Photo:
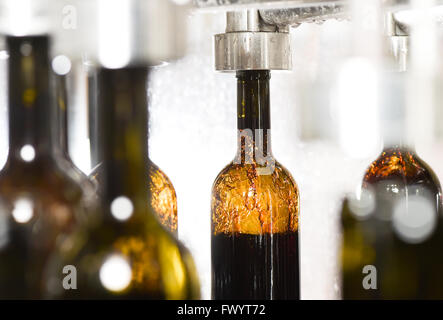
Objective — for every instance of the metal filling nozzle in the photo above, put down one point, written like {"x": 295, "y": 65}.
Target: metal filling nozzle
{"x": 251, "y": 44}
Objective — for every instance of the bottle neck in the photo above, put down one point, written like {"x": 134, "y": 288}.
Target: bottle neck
{"x": 30, "y": 110}
{"x": 92, "y": 116}
{"x": 393, "y": 112}
{"x": 253, "y": 115}
{"x": 61, "y": 97}
{"x": 395, "y": 136}
{"x": 123, "y": 132}
{"x": 399, "y": 145}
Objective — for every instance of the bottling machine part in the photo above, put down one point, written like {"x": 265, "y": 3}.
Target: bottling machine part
{"x": 399, "y": 49}
{"x": 296, "y": 16}
{"x": 258, "y": 38}
{"x": 251, "y": 44}
{"x": 294, "y": 12}
{"x": 266, "y": 4}
{"x": 252, "y": 51}
{"x": 282, "y": 13}
{"x": 242, "y": 4}
{"x": 398, "y": 37}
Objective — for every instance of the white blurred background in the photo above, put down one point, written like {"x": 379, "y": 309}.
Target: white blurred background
{"x": 325, "y": 132}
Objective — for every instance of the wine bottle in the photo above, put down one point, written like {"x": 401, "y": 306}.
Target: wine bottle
{"x": 255, "y": 208}
{"x": 392, "y": 229}
{"x": 125, "y": 252}
{"x": 39, "y": 203}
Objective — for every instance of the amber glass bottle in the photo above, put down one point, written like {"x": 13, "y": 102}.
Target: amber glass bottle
{"x": 394, "y": 224}
{"x": 124, "y": 253}
{"x": 39, "y": 202}
{"x": 255, "y": 207}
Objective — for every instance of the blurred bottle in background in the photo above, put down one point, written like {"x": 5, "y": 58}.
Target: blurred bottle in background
{"x": 124, "y": 252}
{"x": 394, "y": 221}
{"x": 160, "y": 31}
{"x": 392, "y": 228}
{"x": 41, "y": 202}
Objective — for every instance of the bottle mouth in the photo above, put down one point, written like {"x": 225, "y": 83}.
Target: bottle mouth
{"x": 254, "y": 74}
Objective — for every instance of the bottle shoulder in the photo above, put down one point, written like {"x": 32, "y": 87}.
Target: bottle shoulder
{"x": 276, "y": 175}
{"x": 163, "y": 196}
{"x": 38, "y": 200}
{"x": 68, "y": 166}
{"x": 245, "y": 201}
{"x": 41, "y": 178}
{"x": 159, "y": 179}
{"x": 400, "y": 164}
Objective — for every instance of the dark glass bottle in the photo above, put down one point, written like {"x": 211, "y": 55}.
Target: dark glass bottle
{"x": 393, "y": 228}
{"x": 39, "y": 203}
{"x": 125, "y": 252}
{"x": 255, "y": 208}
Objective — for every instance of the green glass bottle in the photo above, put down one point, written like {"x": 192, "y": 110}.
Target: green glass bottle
{"x": 124, "y": 253}
{"x": 40, "y": 203}
{"x": 255, "y": 208}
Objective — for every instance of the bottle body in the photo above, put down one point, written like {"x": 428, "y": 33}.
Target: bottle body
{"x": 396, "y": 228}
{"x": 255, "y": 206}
{"x": 254, "y": 235}
{"x": 136, "y": 260}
